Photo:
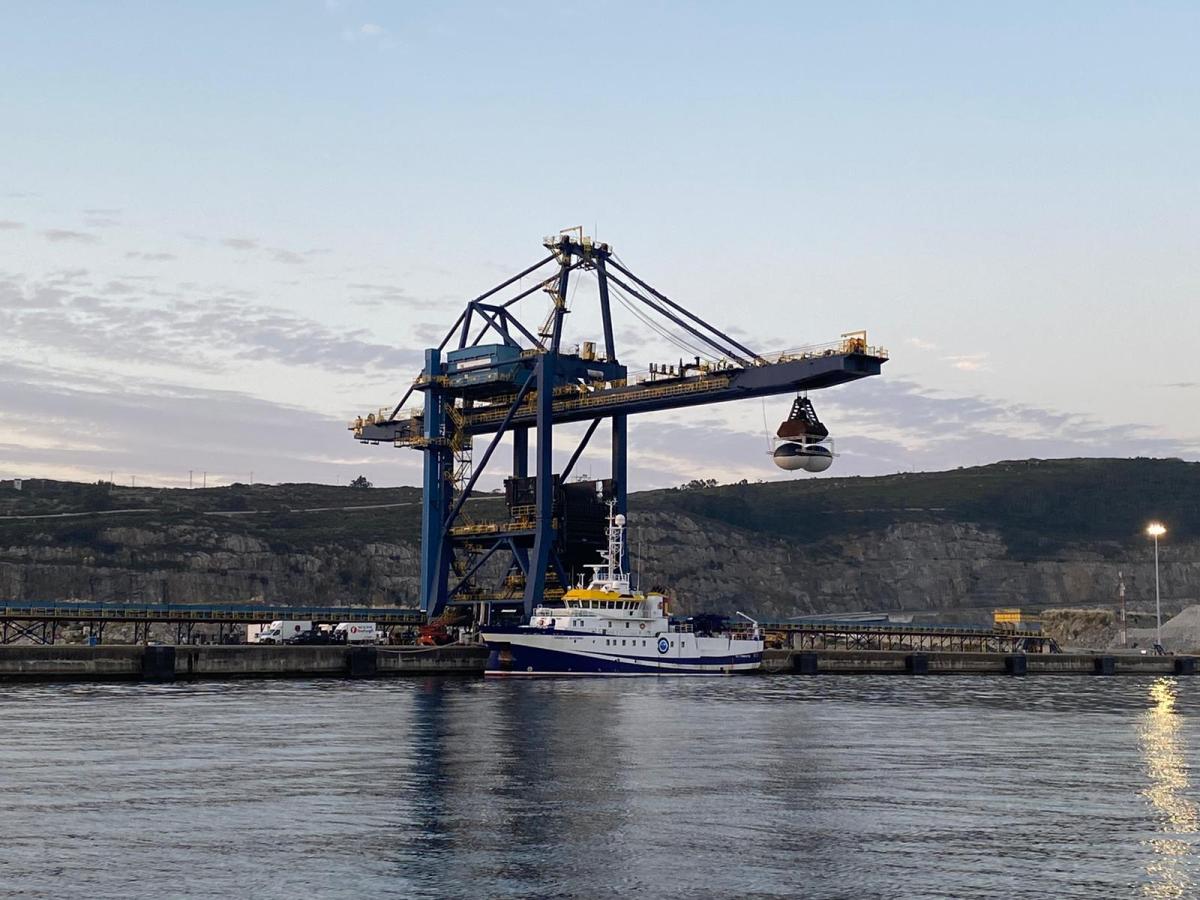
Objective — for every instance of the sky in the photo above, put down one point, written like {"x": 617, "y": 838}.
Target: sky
{"x": 227, "y": 228}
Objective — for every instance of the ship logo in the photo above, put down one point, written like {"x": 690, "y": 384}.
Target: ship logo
{"x": 663, "y": 645}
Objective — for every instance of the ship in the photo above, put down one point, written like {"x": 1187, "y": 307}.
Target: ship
{"x": 605, "y": 627}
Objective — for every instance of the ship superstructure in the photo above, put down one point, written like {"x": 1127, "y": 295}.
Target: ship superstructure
{"x": 605, "y": 627}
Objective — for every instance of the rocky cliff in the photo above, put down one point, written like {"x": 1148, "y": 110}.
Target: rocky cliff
{"x": 1020, "y": 534}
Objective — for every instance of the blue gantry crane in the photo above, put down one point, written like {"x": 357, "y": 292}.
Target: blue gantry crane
{"x": 507, "y": 376}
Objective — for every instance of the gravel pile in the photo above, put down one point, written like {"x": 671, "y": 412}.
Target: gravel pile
{"x": 1181, "y": 634}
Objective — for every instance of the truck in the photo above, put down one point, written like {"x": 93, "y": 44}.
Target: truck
{"x": 357, "y": 633}
{"x": 282, "y": 629}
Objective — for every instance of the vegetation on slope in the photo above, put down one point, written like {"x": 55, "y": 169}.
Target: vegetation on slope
{"x": 1038, "y": 506}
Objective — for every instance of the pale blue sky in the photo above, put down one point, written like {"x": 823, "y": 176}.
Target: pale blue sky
{"x": 258, "y": 210}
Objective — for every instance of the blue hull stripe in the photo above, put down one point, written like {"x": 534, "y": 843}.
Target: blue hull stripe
{"x": 518, "y": 659}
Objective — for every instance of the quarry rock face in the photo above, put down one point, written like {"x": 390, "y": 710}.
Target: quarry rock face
{"x": 184, "y": 564}
{"x": 705, "y": 566}
{"x": 909, "y": 566}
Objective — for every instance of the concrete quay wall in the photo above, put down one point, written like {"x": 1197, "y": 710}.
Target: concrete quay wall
{"x": 866, "y": 662}
{"x": 168, "y": 663}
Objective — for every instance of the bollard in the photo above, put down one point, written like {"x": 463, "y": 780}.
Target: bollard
{"x": 1105, "y": 665}
{"x": 1016, "y": 664}
{"x": 805, "y": 663}
{"x": 158, "y": 663}
{"x": 1185, "y": 665}
{"x": 361, "y": 662}
{"x": 916, "y": 664}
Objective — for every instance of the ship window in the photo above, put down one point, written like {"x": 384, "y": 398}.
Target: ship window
{"x": 622, "y": 642}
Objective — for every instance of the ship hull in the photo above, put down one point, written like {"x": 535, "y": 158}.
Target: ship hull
{"x": 540, "y": 654}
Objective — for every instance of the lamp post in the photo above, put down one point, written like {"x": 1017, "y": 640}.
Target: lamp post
{"x": 1156, "y": 530}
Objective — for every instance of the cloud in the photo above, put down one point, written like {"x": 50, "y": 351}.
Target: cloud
{"x": 921, "y": 344}
{"x": 286, "y": 256}
{"x": 9, "y": 225}
{"x": 195, "y": 328}
{"x": 972, "y": 362}
{"x": 369, "y": 31}
{"x": 150, "y": 257}
{"x": 62, "y": 235}
{"x": 880, "y": 426}
{"x": 292, "y": 257}
{"x": 276, "y": 254}
{"x": 227, "y": 433}
{"x": 374, "y": 296}
{"x": 1183, "y": 384}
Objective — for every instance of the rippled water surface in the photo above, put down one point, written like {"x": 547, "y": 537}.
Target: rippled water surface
{"x": 740, "y": 787}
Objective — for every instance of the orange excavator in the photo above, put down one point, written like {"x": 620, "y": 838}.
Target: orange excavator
{"x": 437, "y": 633}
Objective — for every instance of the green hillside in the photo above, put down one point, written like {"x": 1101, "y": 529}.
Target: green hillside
{"x": 1037, "y": 505}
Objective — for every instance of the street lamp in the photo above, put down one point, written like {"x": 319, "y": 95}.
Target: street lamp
{"x": 1156, "y": 530}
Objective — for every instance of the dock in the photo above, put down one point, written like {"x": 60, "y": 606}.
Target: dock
{"x": 135, "y": 662}
{"x": 892, "y": 662}
{"x": 156, "y": 662}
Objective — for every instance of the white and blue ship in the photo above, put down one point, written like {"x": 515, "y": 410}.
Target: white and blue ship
{"x": 607, "y": 628}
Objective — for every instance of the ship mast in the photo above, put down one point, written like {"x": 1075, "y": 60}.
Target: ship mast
{"x": 616, "y": 544}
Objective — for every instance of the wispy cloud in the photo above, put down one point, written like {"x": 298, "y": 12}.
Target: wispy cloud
{"x": 192, "y": 328}
{"x": 921, "y": 344}
{"x": 972, "y": 362}
{"x": 373, "y": 296}
{"x": 9, "y": 225}
{"x": 886, "y": 425}
{"x": 150, "y": 257}
{"x": 224, "y": 432}
{"x": 63, "y": 235}
{"x": 370, "y": 32}
{"x": 275, "y": 254}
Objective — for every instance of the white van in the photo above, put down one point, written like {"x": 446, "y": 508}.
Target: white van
{"x": 357, "y": 633}
{"x": 280, "y": 630}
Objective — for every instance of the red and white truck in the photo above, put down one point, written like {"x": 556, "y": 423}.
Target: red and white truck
{"x": 357, "y": 633}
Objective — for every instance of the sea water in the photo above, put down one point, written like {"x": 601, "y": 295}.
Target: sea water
{"x": 873, "y": 786}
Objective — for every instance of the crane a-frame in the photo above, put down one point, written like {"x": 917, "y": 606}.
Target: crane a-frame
{"x": 507, "y": 376}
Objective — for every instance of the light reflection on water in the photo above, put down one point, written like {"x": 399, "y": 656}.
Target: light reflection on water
{"x": 1171, "y": 871}
{"x": 742, "y": 787}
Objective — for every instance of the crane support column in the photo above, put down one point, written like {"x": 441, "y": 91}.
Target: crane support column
{"x": 435, "y": 500}
{"x": 520, "y": 467}
{"x": 620, "y": 474}
{"x": 535, "y": 581}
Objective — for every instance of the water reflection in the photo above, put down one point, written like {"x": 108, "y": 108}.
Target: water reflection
{"x": 1163, "y": 752}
